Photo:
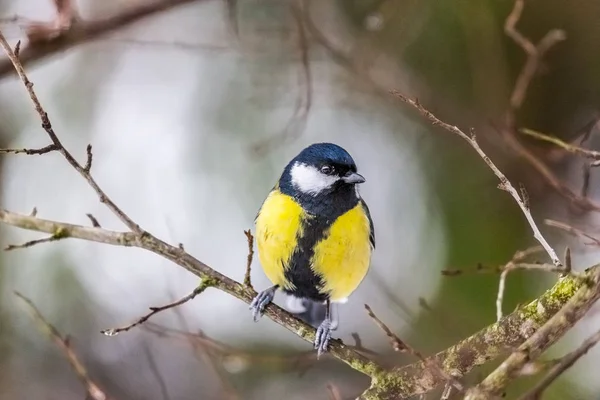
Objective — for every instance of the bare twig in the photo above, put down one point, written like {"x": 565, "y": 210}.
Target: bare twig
{"x": 43, "y": 150}
{"x": 68, "y": 230}
{"x": 504, "y": 182}
{"x": 87, "y": 31}
{"x": 560, "y": 367}
{"x": 512, "y": 265}
{"x": 334, "y": 392}
{"x": 568, "y": 265}
{"x": 204, "y": 284}
{"x": 400, "y": 346}
{"x": 88, "y": 162}
{"x": 93, "y": 390}
{"x": 247, "y": 276}
{"x": 586, "y": 170}
{"x": 571, "y": 148}
{"x": 534, "y": 56}
{"x": 224, "y": 351}
{"x": 534, "y": 53}
{"x": 297, "y": 122}
{"x": 156, "y": 372}
{"x": 549, "y": 177}
{"x": 94, "y": 221}
{"x": 206, "y": 354}
{"x": 58, "y": 235}
{"x": 572, "y": 230}
{"x": 47, "y": 126}
{"x": 519, "y": 256}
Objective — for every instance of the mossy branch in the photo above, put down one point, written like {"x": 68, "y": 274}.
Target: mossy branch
{"x": 510, "y": 332}
{"x": 489, "y": 343}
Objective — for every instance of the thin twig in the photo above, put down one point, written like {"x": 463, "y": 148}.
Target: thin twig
{"x": 47, "y": 126}
{"x": 334, "y": 392}
{"x": 571, "y": 148}
{"x": 30, "y": 243}
{"x": 549, "y": 177}
{"x": 297, "y": 123}
{"x": 93, "y": 390}
{"x": 572, "y": 230}
{"x": 534, "y": 56}
{"x": 519, "y": 256}
{"x": 43, "y": 150}
{"x": 504, "y": 182}
{"x": 534, "y": 53}
{"x": 247, "y": 276}
{"x": 223, "y": 350}
{"x": 516, "y": 263}
{"x": 94, "y": 221}
{"x": 560, "y": 367}
{"x": 87, "y": 31}
{"x": 401, "y": 346}
{"x": 88, "y": 162}
{"x": 206, "y": 354}
{"x": 511, "y": 266}
{"x": 156, "y": 372}
{"x": 155, "y": 310}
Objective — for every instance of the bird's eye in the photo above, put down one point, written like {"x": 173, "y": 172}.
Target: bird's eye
{"x": 327, "y": 169}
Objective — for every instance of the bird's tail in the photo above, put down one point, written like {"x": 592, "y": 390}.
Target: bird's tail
{"x": 309, "y": 311}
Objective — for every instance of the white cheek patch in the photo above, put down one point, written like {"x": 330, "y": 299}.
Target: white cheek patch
{"x": 310, "y": 180}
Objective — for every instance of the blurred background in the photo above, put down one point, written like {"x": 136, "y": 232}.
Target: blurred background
{"x": 192, "y": 115}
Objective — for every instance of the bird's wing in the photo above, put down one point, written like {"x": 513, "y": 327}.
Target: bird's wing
{"x": 372, "y": 234}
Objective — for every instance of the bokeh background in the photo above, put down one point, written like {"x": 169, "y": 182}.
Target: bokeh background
{"x": 193, "y": 113}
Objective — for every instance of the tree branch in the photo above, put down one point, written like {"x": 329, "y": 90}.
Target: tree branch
{"x": 504, "y": 182}
{"x": 561, "y": 366}
{"x": 209, "y": 276}
{"x": 542, "y": 339}
{"x": 155, "y": 310}
{"x": 93, "y": 390}
{"x": 418, "y": 378}
{"x": 84, "y": 171}
{"x": 86, "y": 31}
{"x": 487, "y": 344}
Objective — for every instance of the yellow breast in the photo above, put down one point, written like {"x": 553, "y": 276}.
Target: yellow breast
{"x": 278, "y": 225}
{"x": 340, "y": 257}
{"x": 343, "y": 256}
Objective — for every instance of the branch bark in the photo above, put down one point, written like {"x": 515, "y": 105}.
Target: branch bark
{"x": 87, "y": 31}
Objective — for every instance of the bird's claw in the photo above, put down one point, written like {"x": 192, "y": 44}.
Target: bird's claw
{"x": 323, "y": 336}
{"x": 262, "y": 300}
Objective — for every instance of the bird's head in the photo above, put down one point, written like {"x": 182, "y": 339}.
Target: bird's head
{"x": 321, "y": 168}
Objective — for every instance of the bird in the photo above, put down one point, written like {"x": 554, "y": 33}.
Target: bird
{"x": 314, "y": 233}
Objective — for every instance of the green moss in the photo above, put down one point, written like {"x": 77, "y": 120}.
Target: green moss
{"x": 554, "y": 299}
{"x": 61, "y": 233}
{"x": 208, "y": 281}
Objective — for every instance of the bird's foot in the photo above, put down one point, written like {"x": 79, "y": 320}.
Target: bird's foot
{"x": 262, "y": 300}
{"x": 323, "y": 336}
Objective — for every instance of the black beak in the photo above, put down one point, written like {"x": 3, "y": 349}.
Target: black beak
{"x": 353, "y": 178}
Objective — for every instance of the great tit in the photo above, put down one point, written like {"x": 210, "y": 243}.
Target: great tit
{"x": 314, "y": 233}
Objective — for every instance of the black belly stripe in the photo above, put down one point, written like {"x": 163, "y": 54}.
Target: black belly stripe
{"x": 323, "y": 209}
{"x": 300, "y": 274}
